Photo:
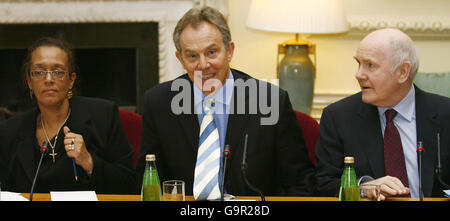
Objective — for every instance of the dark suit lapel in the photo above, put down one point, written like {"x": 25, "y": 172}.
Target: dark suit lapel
{"x": 236, "y": 130}
{"x": 371, "y": 139}
{"x": 82, "y": 122}
{"x": 27, "y": 144}
{"x": 426, "y": 124}
{"x": 80, "y": 119}
{"x": 189, "y": 122}
{"x": 236, "y": 122}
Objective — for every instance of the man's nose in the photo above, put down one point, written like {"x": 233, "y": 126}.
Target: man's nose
{"x": 360, "y": 74}
{"x": 203, "y": 63}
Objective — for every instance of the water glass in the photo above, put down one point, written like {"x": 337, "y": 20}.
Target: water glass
{"x": 370, "y": 192}
{"x": 173, "y": 190}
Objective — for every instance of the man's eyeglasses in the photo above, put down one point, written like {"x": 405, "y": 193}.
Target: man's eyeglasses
{"x": 56, "y": 74}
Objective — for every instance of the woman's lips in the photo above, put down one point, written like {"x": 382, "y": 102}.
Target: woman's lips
{"x": 50, "y": 91}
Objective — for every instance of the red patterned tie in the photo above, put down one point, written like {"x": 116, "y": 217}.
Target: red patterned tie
{"x": 394, "y": 159}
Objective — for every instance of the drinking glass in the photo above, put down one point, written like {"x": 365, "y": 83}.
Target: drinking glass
{"x": 173, "y": 190}
{"x": 370, "y": 192}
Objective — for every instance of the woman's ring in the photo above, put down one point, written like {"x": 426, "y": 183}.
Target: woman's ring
{"x": 71, "y": 146}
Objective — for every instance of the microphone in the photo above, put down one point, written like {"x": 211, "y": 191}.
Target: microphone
{"x": 439, "y": 166}
{"x": 43, "y": 151}
{"x": 420, "y": 150}
{"x": 226, "y": 153}
{"x": 244, "y": 171}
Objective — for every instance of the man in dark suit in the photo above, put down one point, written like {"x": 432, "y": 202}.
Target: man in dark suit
{"x": 173, "y": 119}
{"x": 360, "y": 125}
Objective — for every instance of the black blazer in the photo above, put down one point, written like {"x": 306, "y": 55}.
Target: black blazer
{"x": 350, "y": 127}
{"x": 277, "y": 157}
{"x": 98, "y": 121}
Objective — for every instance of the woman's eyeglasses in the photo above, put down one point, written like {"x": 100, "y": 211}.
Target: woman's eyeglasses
{"x": 56, "y": 74}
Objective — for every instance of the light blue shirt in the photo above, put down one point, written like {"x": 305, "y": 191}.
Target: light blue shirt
{"x": 405, "y": 121}
{"x": 220, "y": 110}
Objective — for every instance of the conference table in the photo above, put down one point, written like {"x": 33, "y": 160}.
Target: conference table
{"x": 118, "y": 197}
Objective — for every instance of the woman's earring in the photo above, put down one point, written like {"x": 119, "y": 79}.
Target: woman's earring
{"x": 69, "y": 94}
{"x": 31, "y": 94}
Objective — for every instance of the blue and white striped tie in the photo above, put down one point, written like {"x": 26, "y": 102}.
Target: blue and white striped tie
{"x": 206, "y": 180}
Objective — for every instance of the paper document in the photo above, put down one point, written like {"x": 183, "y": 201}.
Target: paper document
{"x": 10, "y": 196}
{"x": 74, "y": 196}
{"x": 447, "y": 193}
{"x": 229, "y": 197}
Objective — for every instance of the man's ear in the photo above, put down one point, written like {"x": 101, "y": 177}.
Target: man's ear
{"x": 404, "y": 71}
{"x": 230, "y": 51}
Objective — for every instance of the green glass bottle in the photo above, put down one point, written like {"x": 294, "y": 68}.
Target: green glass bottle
{"x": 349, "y": 190}
{"x": 151, "y": 187}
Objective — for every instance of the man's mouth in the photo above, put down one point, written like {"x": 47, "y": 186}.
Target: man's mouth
{"x": 208, "y": 76}
{"x": 365, "y": 87}
{"x": 204, "y": 76}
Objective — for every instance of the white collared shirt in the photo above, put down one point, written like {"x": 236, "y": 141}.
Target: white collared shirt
{"x": 405, "y": 121}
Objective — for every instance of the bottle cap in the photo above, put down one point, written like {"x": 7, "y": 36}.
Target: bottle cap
{"x": 349, "y": 160}
{"x": 150, "y": 157}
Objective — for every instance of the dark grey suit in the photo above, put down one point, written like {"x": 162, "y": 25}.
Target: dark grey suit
{"x": 351, "y": 127}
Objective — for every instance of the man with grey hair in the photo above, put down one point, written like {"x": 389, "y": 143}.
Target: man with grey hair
{"x": 187, "y": 122}
{"x": 382, "y": 125}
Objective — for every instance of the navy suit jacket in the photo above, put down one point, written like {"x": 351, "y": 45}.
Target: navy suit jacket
{"x": 277, "y": 157}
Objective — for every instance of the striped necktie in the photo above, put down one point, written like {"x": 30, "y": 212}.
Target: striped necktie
{"x": 206, "y": 180}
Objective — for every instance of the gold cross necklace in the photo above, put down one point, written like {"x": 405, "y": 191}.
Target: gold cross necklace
{"x": 53, "y": 154}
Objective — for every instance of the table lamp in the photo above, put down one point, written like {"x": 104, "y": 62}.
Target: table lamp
{"x": 296, "y": 71}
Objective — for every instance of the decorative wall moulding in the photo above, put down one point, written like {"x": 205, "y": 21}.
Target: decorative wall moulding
{"x": 165, "y": 12}
{"x": 415, "y": 26}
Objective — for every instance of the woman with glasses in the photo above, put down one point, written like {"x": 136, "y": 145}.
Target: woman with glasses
{"x": 88, "y": 149}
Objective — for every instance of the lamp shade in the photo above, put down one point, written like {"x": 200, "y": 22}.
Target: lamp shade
{"x": 298, "y": 16}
